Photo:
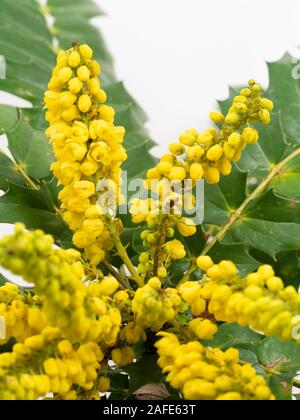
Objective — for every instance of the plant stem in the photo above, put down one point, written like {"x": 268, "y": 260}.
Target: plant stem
{"x": 112, "y": 225}
{"x": 28, "y": 180}
{"x": 239, "y": 212}
{"x": 117, "y": 275}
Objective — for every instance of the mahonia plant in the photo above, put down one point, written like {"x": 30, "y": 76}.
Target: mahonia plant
{"x": 88, "y": 317}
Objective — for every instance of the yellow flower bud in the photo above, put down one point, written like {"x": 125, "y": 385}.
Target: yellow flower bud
{"x": 265, "y": 116}
{"x": 196, "y": 171}
{"x": 250, "y": 135}
{"x": 232, "y": 118}
{"x": 84, "y": 103}
{"x": 212, "y": 175}
{"x": 83, "y": 73}
{"x": 177, "y": 148}
{"x": 267, "y": 104}
{"x": 74, "y": 59}
{"x": 86, "y": 51}
{"x": 186, "y": 227}
{"x": 204, "y": 263}
{"x": 195, "y": 152}
{"x": 216, "y": 117}
{"x": 65, "y": 74}
{"x": 215, "y": 153}
{"x": 275, "y": 284}
{"x": 177, "y": 174}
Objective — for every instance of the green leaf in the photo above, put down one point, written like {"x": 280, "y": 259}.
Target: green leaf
{"x": 9, "y": 173}
{"x": 222, "y": 199}
{"x": 232, "y": 335}
{"x": 283, "y": 357}
{"x": 143, "y": 372}
{"x": 177, "y": 271}
{"x": 21, "y": 204}
{"x": 9, "y": 117}
{"x": 3, "y": 280}
{"x": 270, "y": 223}
{"x": 26, "y": 42}
{"x": 282, "y": 386}
{"x": 31, "y": 149}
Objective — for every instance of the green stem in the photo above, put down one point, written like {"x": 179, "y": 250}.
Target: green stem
{"x": 239, "y": 212}
{"x": 113, "y": 228}
{"x": 28, "y": 180}
{"x": 117, "y": 275}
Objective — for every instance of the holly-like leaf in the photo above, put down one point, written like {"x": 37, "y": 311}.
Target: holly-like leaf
{"x": 232, "y": 335}
{"x": 281, "y": 361}
{"x": 270, "y": 223}
{"x": 281, "y": 357}
{"x": 26, "y": 42}
{"x": 31, "y": 149}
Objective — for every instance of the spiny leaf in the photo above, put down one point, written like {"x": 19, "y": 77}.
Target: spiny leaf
{"x": 31, "y": 149}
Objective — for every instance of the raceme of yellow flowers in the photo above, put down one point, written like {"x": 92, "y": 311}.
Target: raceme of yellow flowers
{"x": 260, "y": 300}
{"x": 87, "y": 146}
{"x": 197, "y": 156}
{"x": 205, "y": 373}
{"x": 70, "y": 327}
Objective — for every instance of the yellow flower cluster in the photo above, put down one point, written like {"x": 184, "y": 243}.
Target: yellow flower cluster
{"x": 82, "y": 312}
{"x": 204, "y": 373}
{"x": 20, "y": 319}
{"x": 153, "y": 306}
{"x": 67, "y": 373}
{"x": 197, "y": 156}
{"x": 15, "y": 381}
{"x": 209, "y": 155}
{"x": 162, "y": 217}
{"x": 87, "y": 146}
{"x": 260, "y": 300}
{"x": 73, "y": 367}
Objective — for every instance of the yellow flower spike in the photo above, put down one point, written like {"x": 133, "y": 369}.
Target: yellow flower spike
{"x": 86, "y": 144}
{"x": 208, "y": 374}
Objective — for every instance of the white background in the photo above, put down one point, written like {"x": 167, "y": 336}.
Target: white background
{"x": 177, "y": 57}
